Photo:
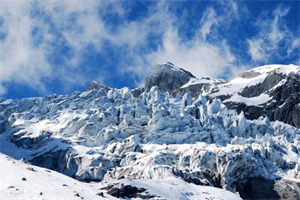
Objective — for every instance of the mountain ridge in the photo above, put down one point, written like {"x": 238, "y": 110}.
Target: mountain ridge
{"x": 258, "y": 91}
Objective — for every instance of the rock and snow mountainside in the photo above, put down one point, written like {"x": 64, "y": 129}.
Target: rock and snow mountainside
{"x": 273, "y": 90}
{"x": 147, "y": 136}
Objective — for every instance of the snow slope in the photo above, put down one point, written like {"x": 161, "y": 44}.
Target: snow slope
{"x": 20, "y": 180}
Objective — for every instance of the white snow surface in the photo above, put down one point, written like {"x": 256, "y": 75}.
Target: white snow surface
{"x": 195, "y": 81}
{"x": 253, "y": 101}
{"x": 20, "y": 180}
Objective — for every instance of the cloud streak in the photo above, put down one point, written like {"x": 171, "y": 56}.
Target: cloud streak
{"x": 272, "y": 36}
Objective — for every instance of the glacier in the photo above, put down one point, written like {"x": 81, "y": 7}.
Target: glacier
{"x": 107, "y": 135}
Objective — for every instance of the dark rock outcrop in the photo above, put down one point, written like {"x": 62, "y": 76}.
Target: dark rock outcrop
{"x": 262, "y": 188}
{"x": 194, "y": 89}
{"x": 128, "y": 191}
{"x": 287, "y": 98}
{"x": 137, "y": 92}
{"x": 271, "y": 80}
{"x": 296, "y": 115}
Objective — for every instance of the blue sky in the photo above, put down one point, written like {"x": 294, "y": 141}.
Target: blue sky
{"x": 59, "y": 46}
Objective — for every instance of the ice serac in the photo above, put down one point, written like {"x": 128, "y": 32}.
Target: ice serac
{"x": 167, "y": 77}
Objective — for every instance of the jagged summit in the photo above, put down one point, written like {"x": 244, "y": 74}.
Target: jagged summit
{"x": 167, "y": 77}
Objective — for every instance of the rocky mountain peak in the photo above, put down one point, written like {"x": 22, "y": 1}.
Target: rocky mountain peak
{"x": 167, "y": 77}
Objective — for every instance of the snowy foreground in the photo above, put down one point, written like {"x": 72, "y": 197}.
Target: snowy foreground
{"x": 20, "y": 180}
{"x": 152, "y": 145}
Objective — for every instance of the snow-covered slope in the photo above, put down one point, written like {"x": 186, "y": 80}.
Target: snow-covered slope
{"x": 254, "y": 78}
{"x": 108, "y": 135}
{"x": 20, "y": 180}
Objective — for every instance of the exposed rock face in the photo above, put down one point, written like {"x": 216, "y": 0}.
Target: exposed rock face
{"x": 296, "y": 115}
{"x": 262, "y": 188}
{"x": 196, "y": 87}
{"x": 284, "y": 92}
{"x": 287, "y": 98}
{"x": 255, "y": 90}
{"x": 137, "y": 92}
{"x": 167, "y": 77}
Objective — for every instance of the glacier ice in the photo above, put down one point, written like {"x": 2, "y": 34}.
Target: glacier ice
{"x": 106, "y": 135}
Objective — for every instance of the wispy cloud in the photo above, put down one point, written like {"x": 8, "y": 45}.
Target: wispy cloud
{"x": 208, "y": 21}
{"x": 273, "y": 34}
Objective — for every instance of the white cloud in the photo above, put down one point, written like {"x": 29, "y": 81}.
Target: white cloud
{"x": 20, "y": 61}
{"x": 77, "y": 22}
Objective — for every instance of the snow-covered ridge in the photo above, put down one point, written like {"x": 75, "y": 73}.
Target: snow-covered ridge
{"x": 272, "y": 90}
{"x": 284, "y": 69}
{"x": 251, "y": 78}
